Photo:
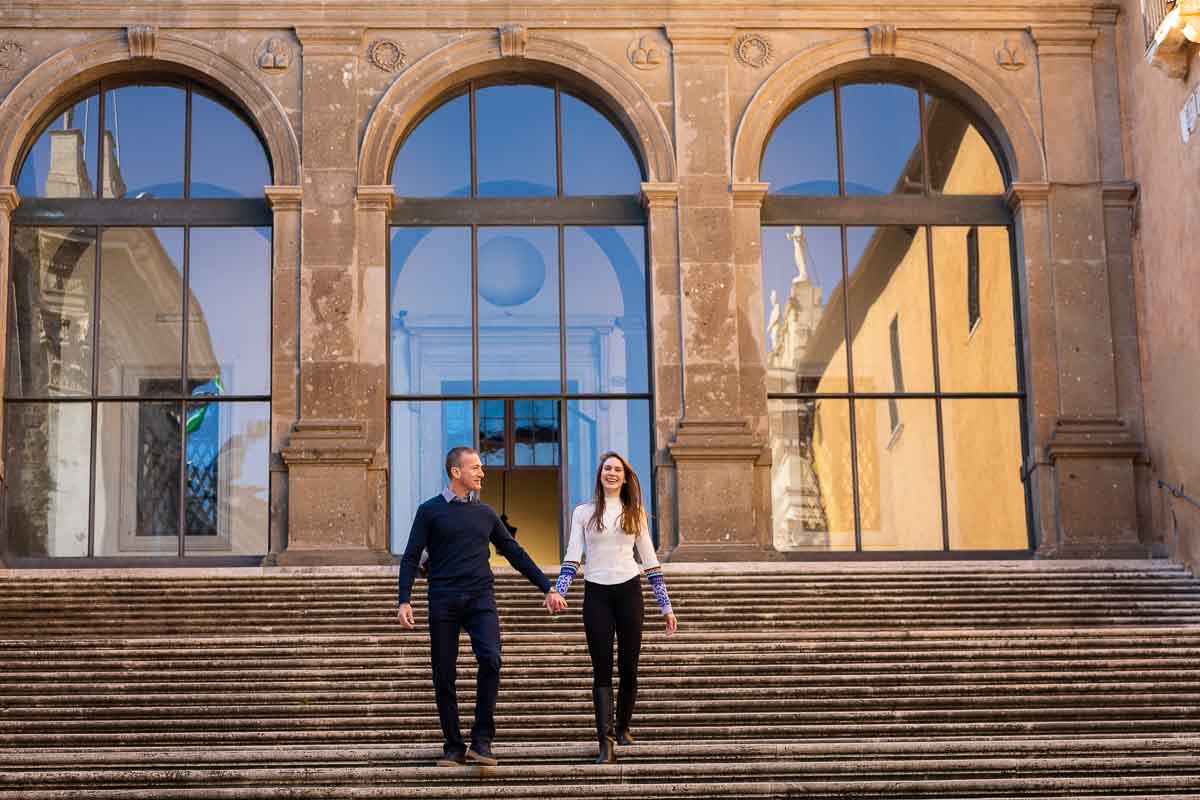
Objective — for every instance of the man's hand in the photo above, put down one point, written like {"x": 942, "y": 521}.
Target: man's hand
{"x": 672, "y": 624}
{"x": 554, "y": 602}
{"x": 406, "y": 616}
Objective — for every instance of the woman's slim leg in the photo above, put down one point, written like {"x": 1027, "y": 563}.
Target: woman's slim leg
{"x": 598, "y": 626}
{"x": 630, "y": 614}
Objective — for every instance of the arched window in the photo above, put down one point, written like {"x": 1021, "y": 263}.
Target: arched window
{"x": 518, "y": 304}
{"x": 895, "y": 392}
{"x": 138, "y": 352}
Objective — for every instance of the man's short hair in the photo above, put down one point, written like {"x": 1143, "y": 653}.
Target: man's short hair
{"x": 455, "y": 456}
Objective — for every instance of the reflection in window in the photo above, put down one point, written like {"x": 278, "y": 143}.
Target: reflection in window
{"x": 868, "y": 448}
{"x": 515, "y": 145}
{"x": 142, "y": 153}
{"x": 435, "y": 160}
{"x": 228, "y": 159}
{"x": 421, "y": 433}
{"x": 596, "y": 158}
{"x": 597, "y": 426}
{"x": 62, "y": 161}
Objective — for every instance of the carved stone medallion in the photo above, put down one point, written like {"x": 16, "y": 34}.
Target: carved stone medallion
{"x": 1010, "y": 55}
{"x": 12, "y": 55}
{"x": 274, "y": 55}
{"x": 386, "y": 54}
{"x": 646, "y": 52}
{"x": 753, "y": 50}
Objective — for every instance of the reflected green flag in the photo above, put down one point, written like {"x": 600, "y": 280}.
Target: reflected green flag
{"x": 195, "y": 417}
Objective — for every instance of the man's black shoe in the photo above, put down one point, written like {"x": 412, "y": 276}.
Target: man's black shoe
{"x": 455, "y": 758}
{"x": 481, "y": 754}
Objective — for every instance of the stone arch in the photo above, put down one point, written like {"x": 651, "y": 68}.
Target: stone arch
{"x": 71, "y": 69}
{"x": 968, "y": 81}
{"x": 477, "y": 55}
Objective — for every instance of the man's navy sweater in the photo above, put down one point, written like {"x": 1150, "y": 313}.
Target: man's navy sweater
{"x": 457, "y": 537}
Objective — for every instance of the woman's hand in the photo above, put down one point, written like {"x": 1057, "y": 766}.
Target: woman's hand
{"x": 672, "y": 624}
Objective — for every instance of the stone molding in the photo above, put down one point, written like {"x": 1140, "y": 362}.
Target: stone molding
{"x": 1120, "y": 194}
{"x": 881, "y": 40}
{"x": 715, "y": 440}
{"x": 1092, "y": 437}
{"x": 419, "y": 86}
{"x": 816, "y": 65}
{"x": 328, "y": 442}
{"x": 143, "y": 40}
{"x": 699, "y": 40}
{"x": 9, "y": 199}
{"x": 1171, "y": 50}
{"x": 48, "y": 83}
{"x": 750, "y": 194}
{"x": 1027, "y": 194}
{"x": 329, "y": 40}
{"x": 375, "y": 198}
{"x": 660, "y": 195}
{"x": 513, "y": 41}
{"x": 1054, "y": 40}
{"x": 284, "y": 198}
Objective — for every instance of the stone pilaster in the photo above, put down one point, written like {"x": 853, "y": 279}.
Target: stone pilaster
{"x": 715, "y": 448}
{"x": 331, "y": 511}
{"x": 9, "y": 199}
{"x": 1089, "y": 447}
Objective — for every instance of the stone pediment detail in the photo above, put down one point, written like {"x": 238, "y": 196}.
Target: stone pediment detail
{"x": 1175, "y": 39}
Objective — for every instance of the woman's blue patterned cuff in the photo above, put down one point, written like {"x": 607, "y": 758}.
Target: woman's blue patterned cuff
{"x": 659, "y": 585}
{"x": 566, "y": 574}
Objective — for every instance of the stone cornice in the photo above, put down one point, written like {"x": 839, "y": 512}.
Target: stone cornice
{"x": 284, "y": 198}
{"x": 1121, "y": 194}
{"x": 9, "y": 199}
{"x": 749, "y": 195}
{"x": 1092, "y": 437}
{"x": 375, "y": 198}
{"x": 1063, "y": 40}
{"x": 660, "y": 195}
{"x": 700, "y": 39}
{"x": 458, "y": 14}
{"x": 1027, "y": 195}
{"x": 329, "y": 40}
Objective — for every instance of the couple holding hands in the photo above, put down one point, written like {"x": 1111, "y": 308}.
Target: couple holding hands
{"x": 456, "y": 529}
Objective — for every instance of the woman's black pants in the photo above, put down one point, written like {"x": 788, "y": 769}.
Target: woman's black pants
{"x": 615, "y": 610}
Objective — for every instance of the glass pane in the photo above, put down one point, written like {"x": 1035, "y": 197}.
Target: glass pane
{"x": 62, "y": 162}
{"x": 46, "y": 456}
{"x": 518, "y": 311}
{"x": 228, "y": 450}
{"x": 535, "y": 432}
{"x": 812, "y": 488}
{"x": 595, "y": 427}
{"x": 960, "y": 160}
{"x": 493, "y": 434}
{"x": 596, "y": 157}
{"x": 607, "y": 349}
{"x": 899, "y": 489}
{"x": 985, "y": 499}
{"x": 430, "y": 326}
{"x": 516, "y": 141}
{"x": 889, "y": 310}
{"x": 801, "y": 156}
{"x": 143, "y": 141}
{"x": 875, "y": 163}
{"x": 50, "y": 312}
{"x": 141, "y": 322}
{"x": 229, "y": 317}
{"x": 973, "y": 278}
{"x": 435, "y": 159}
{"x": 804, "y": 309}
{"x": 228, "y": 160}
{"x": 138, "y": 449}
{"x": 421, "y": 435}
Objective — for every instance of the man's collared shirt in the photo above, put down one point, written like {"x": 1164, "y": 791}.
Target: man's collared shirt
{"x": 450, "y": 497}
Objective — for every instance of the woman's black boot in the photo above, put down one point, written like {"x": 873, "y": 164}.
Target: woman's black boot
{"x": 602, "y": 700}
{"x": 626, "y": 697}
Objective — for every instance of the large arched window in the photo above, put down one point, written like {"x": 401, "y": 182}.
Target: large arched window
{"x": 517, "y": 304}
{"x": 895, "y": 390}
{"x": 138, "y": 351}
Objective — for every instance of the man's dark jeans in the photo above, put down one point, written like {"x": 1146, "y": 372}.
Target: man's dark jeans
{"x": 449, "y": 613}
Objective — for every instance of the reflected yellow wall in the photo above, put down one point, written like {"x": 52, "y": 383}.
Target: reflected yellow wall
{"x": 534, "y": 506}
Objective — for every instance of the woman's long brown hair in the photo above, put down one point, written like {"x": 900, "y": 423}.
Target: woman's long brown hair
{"x": 632, "y": 513}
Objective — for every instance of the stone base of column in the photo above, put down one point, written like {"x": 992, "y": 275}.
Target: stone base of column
{"x": 328, "y": 496}
{"x": 1095, "y": 488}
{"x": 714, "y": 480}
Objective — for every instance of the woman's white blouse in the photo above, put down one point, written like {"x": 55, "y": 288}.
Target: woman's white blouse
{"x": 608, "y": 552}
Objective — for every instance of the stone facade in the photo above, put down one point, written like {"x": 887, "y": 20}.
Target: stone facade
{"x": 334, "y": 87}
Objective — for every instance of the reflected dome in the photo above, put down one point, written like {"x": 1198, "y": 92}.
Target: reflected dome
{"x": 511, "y": 271}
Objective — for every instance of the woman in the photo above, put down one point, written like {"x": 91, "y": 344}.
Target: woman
{"x": 606, "y": 530}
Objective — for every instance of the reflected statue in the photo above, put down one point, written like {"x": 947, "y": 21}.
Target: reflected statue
{"x": 773, "y": 320}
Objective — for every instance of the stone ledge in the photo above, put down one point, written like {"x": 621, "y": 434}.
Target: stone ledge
{"x": 1092, "y": 438}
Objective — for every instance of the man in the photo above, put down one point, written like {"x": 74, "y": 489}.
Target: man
{"x": 456, "y": 529}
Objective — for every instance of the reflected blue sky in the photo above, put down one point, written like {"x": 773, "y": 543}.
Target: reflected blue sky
{"x": 515, "y": 139}
{"x": 596, "y": 158}
{"x": 228, "y": 160}
{"x": 435, "y": 159}
{"x": 801, "y": 157}
{"x": 880, "y": 131}
{"x": 146, "y": 124}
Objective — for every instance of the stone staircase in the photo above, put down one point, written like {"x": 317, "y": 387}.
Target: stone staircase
{"x": 914, "y": 680}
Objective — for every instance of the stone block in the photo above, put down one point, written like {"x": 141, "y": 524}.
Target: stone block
{"x": 327, "y": 314}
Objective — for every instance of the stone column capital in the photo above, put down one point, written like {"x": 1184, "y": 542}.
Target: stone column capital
{"x": 1027, "y": 195}
{"x": 283, "y": 198}
{"x": 660, "y": 195}
{"x": 1092, "y": 437}
{"x": 329, "y": 40}
{"x": 1062, "y": 40}
{"x": 375, "y": 198}
{"x": 1120, "y": 194}
{"x": 9, "y": 199}
{"x": 749, "y": 195}
{"x": 702, "y": 40}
